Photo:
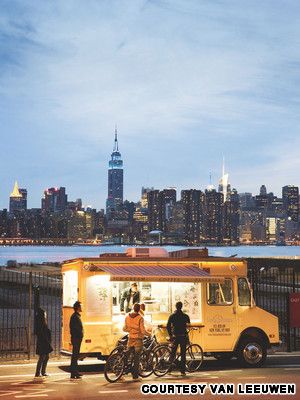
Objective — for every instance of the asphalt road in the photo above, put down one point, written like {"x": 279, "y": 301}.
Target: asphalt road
{"x": 16, "y": 381}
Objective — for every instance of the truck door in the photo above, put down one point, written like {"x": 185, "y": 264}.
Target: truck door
{"x": 220, "y": 319}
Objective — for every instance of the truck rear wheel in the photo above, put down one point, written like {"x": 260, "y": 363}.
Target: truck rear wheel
{"x": 252, "y": 352}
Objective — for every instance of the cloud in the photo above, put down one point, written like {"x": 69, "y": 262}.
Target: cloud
{"x": 186, "y": 82}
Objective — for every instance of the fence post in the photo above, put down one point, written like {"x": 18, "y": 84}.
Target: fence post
{"x": 288, "y": 329}
{"x": 29, "y": 314}
{"x": 36, "y": 304}
{"x": 294, "y": 291}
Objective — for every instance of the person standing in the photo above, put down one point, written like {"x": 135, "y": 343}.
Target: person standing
{"x": 76, "y": 331}
{"x": 131, "y": 296}
{"x": 176, "y": 327}
{"x": 134, "y": 325}
{"x": 43, "y": 343}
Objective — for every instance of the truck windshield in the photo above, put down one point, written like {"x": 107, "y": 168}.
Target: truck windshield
{"x": 220, "y": 293}
{"x": 244, "y": 292}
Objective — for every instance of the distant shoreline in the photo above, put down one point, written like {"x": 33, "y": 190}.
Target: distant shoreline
{"x": 55, "y": 253}
{"x": 144, "y": 245}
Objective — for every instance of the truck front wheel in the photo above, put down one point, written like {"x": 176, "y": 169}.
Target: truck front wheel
{"x": 252, "y": 353}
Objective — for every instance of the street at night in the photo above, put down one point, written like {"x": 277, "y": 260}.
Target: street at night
{"x": 16, "y": 380}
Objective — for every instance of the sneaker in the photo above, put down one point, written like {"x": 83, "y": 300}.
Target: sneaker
{"x": 45, "y": 375}
{"x": 183, "y": 374}
{"x": 73, "y": 377}
{"x": 137, "y": 379}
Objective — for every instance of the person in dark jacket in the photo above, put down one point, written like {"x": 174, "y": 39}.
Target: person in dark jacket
{"x": 43, "y": 342}
{"x": 176, "y": 326}
{"x": 131, "y": 296}
{"x": 76, "y": 331}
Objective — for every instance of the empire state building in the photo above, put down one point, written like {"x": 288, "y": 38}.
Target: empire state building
{"x": 115, "y": 180}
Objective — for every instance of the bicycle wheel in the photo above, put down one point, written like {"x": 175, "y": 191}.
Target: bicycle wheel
{"x": 194, "y": 357}
{"x": 162, "y": 362}
{"x": 114, "y": 367}
{"x": 146, "y": 363}
{"x": 118, "y": 349}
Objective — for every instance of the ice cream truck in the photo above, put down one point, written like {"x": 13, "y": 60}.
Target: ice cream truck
{"x": 215, "y": 293}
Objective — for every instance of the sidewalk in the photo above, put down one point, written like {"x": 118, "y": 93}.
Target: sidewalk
{"x": 52, "y": 361}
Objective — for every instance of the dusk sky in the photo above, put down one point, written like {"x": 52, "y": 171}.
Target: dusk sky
{"x": 187, "y": 82}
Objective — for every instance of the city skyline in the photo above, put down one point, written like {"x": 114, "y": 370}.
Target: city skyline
{"x": 211, "y": 79}
{"x": 217, "y": 187}
{"x": 212, "y": 215}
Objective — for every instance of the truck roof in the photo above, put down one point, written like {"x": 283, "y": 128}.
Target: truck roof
{"x": 148, "y": 255}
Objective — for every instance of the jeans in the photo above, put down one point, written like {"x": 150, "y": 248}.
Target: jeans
{"x": 137, "y": 345}
{"x": 42, "y": 364}
{"x": 76, "y": 343}
{"x": 182, "y": 341}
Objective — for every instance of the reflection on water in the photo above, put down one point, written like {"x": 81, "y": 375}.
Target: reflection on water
{"x": 40, "y": 254}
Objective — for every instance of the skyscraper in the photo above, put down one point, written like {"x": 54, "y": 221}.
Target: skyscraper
{"x": 154, "y": 214}
{"x": 193, "y": 205}
{"x": 224, "y": 185}
{"x": 55, "y": 200}
{"x": 115, "y": 180}
{"x": 231, "y": 218}
{"x": 167, "y": 201}
{"x": 144, "y": 197}
{"x": 263, "y": 190}
{"x": 213, "y": 215}
{"x": 246, "y": 200}
{"x": 290, "y": 198}
{"x": 160, "y": 204}
{"x": 18, "y": 199}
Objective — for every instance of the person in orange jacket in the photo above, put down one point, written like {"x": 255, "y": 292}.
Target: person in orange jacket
{"x": 134, "y": 325}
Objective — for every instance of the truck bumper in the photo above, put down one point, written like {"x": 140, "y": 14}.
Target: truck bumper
{"x": 99, "y": 356}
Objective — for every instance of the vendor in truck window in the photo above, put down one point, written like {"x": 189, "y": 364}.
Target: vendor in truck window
{"x": 129, "y": 297}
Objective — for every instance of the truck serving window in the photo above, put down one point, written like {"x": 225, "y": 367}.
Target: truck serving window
{"x": 220, "y": 294}
{"x": 155, "y": 295}
{"x": 161, "y": 297}
{"x": 244, "y": 292}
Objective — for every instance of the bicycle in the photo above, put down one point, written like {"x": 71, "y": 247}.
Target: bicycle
{"x": 163, "y": 362}
{"x": 120, "y": 360}
{"x": 118, "y": 364}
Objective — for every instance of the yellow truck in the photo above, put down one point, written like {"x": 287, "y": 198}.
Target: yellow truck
{"x": 215, "y": 293}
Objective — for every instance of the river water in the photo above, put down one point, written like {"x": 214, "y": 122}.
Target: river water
{"x": 39, "y": 254}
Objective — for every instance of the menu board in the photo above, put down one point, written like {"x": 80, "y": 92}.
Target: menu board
{"x": 189, "y": 295}
{"x": 98, "y": 295}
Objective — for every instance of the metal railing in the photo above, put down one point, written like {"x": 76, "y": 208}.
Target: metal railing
{"x": 272, "y": 280}
{"x": 14, "y": 340}
{"x": 20, "y": 293}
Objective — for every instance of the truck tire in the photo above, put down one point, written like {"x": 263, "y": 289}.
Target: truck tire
{"x": 252, "y": 352}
